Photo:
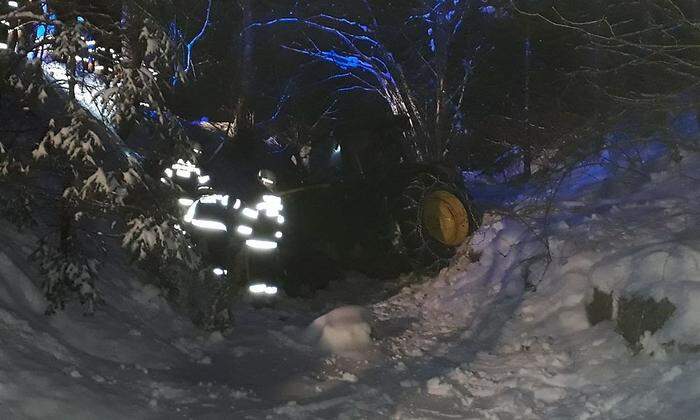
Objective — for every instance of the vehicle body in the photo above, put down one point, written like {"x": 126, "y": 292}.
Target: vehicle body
{"x": 371, "y": 209}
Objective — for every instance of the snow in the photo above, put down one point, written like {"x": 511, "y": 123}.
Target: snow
{"x": 342, "y": 330}
{"x": 501, "y": 333}
{"x": 87, "y": 91}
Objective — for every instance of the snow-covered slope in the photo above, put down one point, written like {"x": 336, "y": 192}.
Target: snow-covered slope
{"x": 474, "y": 342}
{"x": 516, "y": 354}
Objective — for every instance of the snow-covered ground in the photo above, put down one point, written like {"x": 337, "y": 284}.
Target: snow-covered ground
{"x": 473, "y": 342}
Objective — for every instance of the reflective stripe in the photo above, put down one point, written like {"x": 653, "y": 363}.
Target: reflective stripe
{"x": 248, "y": 212}
{"x": 257, "y": 288}
{"x": 183, "y": 174}
{"x": 258, "y": 244}
{"x": 209, "y": 224}
{"x": 262, "y": 288}
{"x": 215, "y": 198}
{"x": 190, "y": 213}
{"x": 244, "y": 230}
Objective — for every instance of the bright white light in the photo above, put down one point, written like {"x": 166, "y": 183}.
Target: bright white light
{"x": 3, "y": 46}
{"x": 258, "y": 244}
{"x": 262, "y": 288}
{"x": 272, "y": 199}
{"x": 278, "y": 235}
{"x": 164, "y": 181}
{"x": 186, "y": 167}
{"x": 4, "y": 22}
{"x": 189, "y": 216}
{"x": 244, "y": 230}
{"x": 183, "y": 174}
{"x": 204, "y": 179}
{"x": 185, "y": 201}
{"x": 209, "y": 224}
{"x": 280, "y": 220}
{"x": 250, "y": 213}
{"x": 215, "y": 198}
{"x": 257, "y": 288}
{"x": 267, "y": 181}
{"x": 169, "y": 172}
{"x": 271, "y": 204}
{"x": 13, "y": 4}
{"x": 237, "y": 204}
{"x": 219, "y": 272}
{"x": 91, "y": 43}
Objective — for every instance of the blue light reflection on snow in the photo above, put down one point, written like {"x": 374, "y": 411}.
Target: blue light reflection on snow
{"x": 622, "y": 154}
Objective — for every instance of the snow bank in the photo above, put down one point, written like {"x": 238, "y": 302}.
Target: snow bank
{"x": 511, "y": 314}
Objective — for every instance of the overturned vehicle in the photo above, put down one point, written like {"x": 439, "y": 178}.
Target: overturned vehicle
{"x": 367, "y": 207}
{"x": 351, "y": 205}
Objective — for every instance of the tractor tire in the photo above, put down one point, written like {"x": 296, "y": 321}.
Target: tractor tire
{"x": 433, "y": 218}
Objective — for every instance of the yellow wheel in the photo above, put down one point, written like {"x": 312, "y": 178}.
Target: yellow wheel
{"x": 445, "y": 218}
{"x": 434, "y": 219}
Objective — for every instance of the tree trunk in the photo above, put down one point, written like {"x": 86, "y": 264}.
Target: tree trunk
{"x": 245, "y": 67}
